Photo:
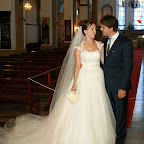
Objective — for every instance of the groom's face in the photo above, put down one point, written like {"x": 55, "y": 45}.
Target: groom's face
{"x": 105, "y": 30}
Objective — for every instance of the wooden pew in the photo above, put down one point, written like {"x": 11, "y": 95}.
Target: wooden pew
{"x": 8, "y": 73}
{"x": 44, "y": 53}
{"x": 14, "y": 71}
{"x": 16, "y": 92}
{"x": 27, "y": 67}
{"x": 35, "y": 62}
{"x": 34, "y": 57}
{"x": 12, "y": 67}
{"x": 51, "y": 83}
{"x": 49, "y": 79}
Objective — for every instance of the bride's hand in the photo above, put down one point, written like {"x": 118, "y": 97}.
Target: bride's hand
{"x": 74, "y": 88}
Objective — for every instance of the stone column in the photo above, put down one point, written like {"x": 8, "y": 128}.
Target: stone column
{"x": 129, "y": 12}
{"x": 68, "y": 18}
{"x": 74, "y": 15}
{"x": 38, "y": 20}
{"x": 54, "y": 24}
{"x": 46, "y": 12}
{"x": 19, "y": 26}
{"x": 94, "y": 11}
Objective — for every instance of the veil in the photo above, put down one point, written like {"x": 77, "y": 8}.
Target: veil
{"x": 67, "y": 70}
{"x": 27, "y": 123}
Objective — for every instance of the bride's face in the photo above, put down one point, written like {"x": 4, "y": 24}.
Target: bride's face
{"x": 91, "y": 31}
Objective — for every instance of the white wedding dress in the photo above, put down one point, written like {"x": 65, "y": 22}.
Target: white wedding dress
{"x": 88, "y": 121}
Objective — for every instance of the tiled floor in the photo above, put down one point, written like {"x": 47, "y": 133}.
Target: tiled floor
{"x": 135, "y": 134}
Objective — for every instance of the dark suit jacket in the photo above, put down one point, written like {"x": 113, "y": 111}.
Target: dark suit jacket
{"x": 118, "y": 64}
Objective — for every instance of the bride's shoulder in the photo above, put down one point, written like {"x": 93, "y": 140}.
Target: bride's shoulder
{"x": 100, "y": 44}
{"x": 78, "y": 47}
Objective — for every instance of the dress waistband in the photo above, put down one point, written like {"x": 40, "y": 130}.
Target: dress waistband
{"x": 86, "y": 67}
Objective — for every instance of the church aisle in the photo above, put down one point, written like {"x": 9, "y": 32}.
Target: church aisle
{"x": 135, "y": 134}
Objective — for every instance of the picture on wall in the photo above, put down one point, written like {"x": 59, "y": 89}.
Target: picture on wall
{"x": 5, "y": 35}
{"x": 45, "y": 23}
{"x": 67, "y": 30}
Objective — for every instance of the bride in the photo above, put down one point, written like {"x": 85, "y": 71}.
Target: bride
{"x": 89, "y": 120}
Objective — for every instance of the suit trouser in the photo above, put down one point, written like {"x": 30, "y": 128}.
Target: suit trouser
{"x": 120, "y": 111}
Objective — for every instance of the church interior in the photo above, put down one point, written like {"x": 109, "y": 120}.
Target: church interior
{"x": 34, "y": 38}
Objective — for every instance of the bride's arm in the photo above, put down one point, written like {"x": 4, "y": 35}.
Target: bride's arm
{"x": 101, "y": 45}
{"x": 102, "y": 55}
{"x": 77, "y": 68}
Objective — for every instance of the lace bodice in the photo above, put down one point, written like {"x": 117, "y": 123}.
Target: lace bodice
{"x": 90, "y": 59}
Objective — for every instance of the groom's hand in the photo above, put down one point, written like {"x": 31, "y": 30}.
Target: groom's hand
{"x": 121, "y": 93}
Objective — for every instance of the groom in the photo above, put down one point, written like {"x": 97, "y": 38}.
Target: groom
{"x": 118, "y": 63}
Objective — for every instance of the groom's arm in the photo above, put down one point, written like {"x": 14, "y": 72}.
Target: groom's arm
{"x": 103, "y": 53}
{"x": 127, "y": 55}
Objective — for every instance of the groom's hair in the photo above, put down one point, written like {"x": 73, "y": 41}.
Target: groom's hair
{"x": 110, "y": 21}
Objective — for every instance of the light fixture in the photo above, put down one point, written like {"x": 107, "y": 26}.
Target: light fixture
{"x": 77, "y": 11}
{"x": 134, "y": 3}
{"x": 77, "y": 28}
{"x": 27, "y": 6}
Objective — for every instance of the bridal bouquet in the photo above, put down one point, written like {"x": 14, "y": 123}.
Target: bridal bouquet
{"x": 73, "y": 96}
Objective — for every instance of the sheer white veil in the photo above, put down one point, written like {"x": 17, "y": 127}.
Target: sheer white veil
{"x": 67, "y": 70}
{"x": 27, "y": 123}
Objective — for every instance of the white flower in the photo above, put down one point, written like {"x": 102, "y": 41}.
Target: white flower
{"x": 73, "y": 96}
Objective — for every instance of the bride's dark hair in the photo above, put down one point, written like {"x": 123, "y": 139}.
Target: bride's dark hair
{"x": 85, "y": 24}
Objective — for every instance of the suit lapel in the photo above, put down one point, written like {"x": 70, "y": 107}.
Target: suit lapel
{"x": 105, "y": 46}
{"x": 117, "y": 42}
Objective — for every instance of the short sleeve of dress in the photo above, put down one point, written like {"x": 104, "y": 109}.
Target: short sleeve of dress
{"x": 76, "y": 47}
{"x": 100, "y": 46}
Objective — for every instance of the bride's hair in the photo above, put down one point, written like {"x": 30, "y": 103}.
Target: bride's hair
{"x": 85, "y": 24}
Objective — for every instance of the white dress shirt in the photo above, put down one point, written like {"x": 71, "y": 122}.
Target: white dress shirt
{"x": 112, "y": 39}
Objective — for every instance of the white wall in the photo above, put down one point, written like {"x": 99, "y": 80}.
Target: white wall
{"x": 5, "y": 5}
{"x": 84, "y": 13}
{"x": 101, "y": 3}
{"x": 68, "y": 9}
{"x": 31, "y": 23}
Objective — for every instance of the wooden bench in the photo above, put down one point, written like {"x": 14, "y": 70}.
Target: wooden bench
{"x": 32, "y": 62}
{"x": 43, "y": 53}
{"x": 14, "y": 71}
{"x": 9, "y": 73}
{"x": 12, "y": 67}
{"x": 50, "y": 82}
{"x": 16, "y": 92}
{"x": 15, "y": 81}
{"x": 44, "y": 68}
{"x": 34, "y": 57}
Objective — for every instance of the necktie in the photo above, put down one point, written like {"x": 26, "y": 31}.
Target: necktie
{"x": 108, "y": 47}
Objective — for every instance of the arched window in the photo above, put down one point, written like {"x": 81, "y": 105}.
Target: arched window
{"x": 121, "y": 14}
{"x": 139, "y": 16}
